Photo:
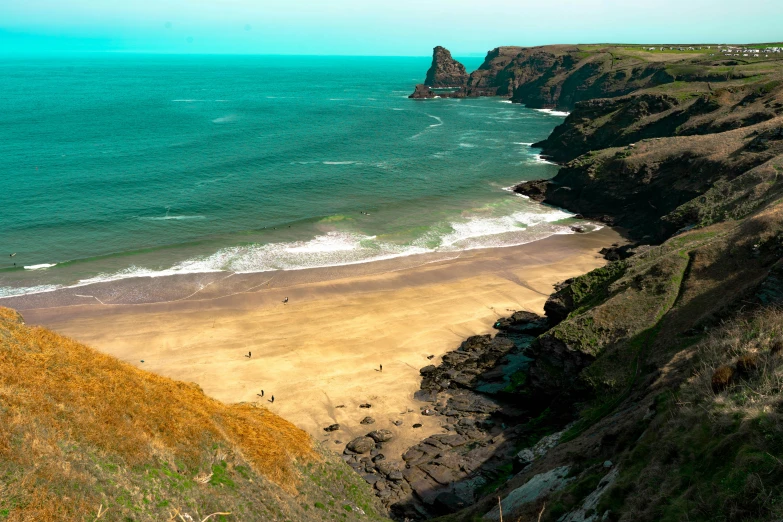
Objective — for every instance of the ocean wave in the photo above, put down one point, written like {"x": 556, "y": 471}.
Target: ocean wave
{"x": 328, "y": 250}
{"x": 225, "y": 119}
{"x": 436, "y": 118}
{"x": 348, "y": 248}
{"x": 10, "y": 291}
{"x": 339, "y": 248}
{"x": 440, "y": 121}
{"x": 523, "y": 143}
{"x": 486, "y": 227}
{"x": 553, "y": 112}
{"x": 167, "y": 217}
{"x": 537, "y": 158}
{"x": 42, "y": 266}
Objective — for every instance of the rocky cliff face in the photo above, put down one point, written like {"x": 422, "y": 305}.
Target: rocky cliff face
{"x": 445, "y": 71}
{"x": 653, "y": 392}
{"x": 558, "y": 75}
{"x": 653, "y": 186}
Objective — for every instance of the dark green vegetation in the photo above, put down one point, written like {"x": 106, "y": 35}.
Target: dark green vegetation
{"x": 670, "y": 358}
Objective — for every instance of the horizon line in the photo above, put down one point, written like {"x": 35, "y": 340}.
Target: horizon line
{"x": 335, "y": 55}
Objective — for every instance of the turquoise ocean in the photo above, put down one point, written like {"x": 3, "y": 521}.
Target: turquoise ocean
{"x": 117, "y": 166}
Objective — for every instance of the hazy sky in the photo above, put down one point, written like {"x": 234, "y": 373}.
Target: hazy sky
{"x": 373, "y": 27}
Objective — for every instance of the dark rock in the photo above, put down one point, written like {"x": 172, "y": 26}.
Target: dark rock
{"x": 413, "y": 454}
{"x": 361, "y": 445}
{"x": 379, "y": 457}
{"x": 426, "y": 396}
{"x": 428, "y": 369}
{"x": 371, "y": 478}
{"x": 472, "y": 403}
{"x": 447, "y": 503}
{"x": 445, "y": 71}
{"x": 365, "y": 405}
{"x": 397, "y": 423}
{"x": 417, "y": 425}
{"x": 385, "y": 467}
{"x": 381, "y": 435}
{"x": 535, "y": 190}
{"x": 367, "y": 420}
{"x": 523, "y": 322}
{"x": 617, "y": 253}
{"x": 422, "y": 92}
{"x": 332, "y": 427}
{"x": 430, "y": 357}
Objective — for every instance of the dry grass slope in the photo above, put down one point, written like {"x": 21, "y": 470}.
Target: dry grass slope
{"x": 67, "y": 411}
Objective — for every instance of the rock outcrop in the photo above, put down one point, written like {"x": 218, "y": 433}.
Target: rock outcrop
{"x": 445, "y": 71}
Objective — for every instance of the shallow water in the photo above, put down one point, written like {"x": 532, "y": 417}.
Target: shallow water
{"x": 126, "y": 165}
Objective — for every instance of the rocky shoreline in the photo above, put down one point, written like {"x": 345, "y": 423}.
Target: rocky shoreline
{"x": 470, "y": 393}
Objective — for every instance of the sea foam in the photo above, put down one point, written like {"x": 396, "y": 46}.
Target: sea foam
{"x": 553, "y": 112}
{"x": 42, "y": 266}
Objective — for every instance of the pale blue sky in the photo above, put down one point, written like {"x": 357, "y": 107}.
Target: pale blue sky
{"x": 373, "y": 27}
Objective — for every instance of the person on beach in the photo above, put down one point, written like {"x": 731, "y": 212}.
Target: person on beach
{"x": 285, "y": 301}
{"x": 381, "y": 369}
{"x": 260, "y": 394}
{"x": 249, "y": 355}
{"x": 272, "y": 400}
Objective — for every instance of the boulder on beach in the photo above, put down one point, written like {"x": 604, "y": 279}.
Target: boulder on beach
{"x": 381, "y": 435}
{"x": 361, "y": 445}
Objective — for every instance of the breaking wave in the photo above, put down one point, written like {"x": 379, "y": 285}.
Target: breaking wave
{"x": 553, "y": 112}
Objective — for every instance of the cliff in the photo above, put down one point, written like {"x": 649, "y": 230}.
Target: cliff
{"x": 558, "y": 76}
{"x": 84, "y": 436}
{"x": 652, "y": 393}
{"x": 445, "y": 71}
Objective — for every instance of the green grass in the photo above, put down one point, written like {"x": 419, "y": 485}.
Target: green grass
{"x": 221, "y": 476}
{"x": 637, "y": 347}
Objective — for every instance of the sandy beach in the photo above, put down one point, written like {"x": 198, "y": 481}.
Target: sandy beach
{"x": 319, "y": 354}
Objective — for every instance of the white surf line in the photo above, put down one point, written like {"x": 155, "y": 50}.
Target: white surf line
{"x": 439, "y": 120}
{"x": 245, "y": 291}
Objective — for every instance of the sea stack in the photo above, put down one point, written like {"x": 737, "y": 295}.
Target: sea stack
{"x": 445, "y": 71}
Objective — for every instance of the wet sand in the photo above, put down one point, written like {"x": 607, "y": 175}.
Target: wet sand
{"x": 319, "y": 354}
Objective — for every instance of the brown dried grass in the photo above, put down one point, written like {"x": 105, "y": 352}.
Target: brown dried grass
{"x": 722, "y": 377}
{"x": 56, "y": 393}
